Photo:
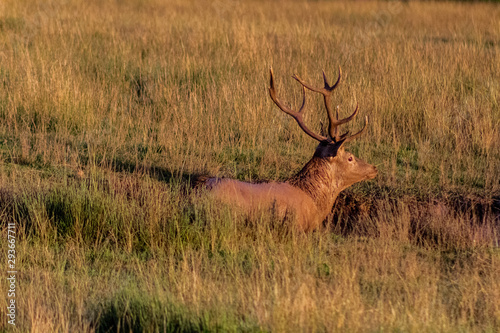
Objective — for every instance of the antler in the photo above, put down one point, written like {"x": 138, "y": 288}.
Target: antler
{"x": 297, "y": 115}
{"x": 333, "y": 122}
{"x": 354, "y": 136}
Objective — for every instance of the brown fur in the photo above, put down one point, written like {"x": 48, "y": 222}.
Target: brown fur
{"x": 309, "y": 195}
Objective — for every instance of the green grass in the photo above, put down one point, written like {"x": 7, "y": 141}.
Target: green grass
{"x": 108, "y": 110}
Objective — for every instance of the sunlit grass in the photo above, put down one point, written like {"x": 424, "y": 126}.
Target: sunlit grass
{"x": 108, "y": 110}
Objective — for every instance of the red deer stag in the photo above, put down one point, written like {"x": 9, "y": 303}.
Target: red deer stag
{"x": 311, "y": 193}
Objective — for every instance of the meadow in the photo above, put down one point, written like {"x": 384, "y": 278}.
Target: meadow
{"x": 110, "y": 109}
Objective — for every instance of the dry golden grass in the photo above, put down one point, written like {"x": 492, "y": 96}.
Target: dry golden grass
{"x": 108, "y": 108}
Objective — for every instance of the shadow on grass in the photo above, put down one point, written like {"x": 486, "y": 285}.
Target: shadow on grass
{"x": 131, "y": 313}
{"x": 131, "y": 310}
{"x": 182, "y": 179}
{"x": 12, "y": 206}
{"x": 454, "y": 221}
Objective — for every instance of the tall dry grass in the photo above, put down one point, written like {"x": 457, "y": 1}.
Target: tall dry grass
{"x": 107, "y": 109}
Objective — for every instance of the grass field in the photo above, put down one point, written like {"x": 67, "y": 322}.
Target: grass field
{"x": 109, "y": 108}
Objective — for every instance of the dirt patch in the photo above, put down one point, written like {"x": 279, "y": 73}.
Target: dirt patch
{"x": 455, "y": 221}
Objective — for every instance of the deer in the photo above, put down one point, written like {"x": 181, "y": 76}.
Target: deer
{"x": 310, "y": 194}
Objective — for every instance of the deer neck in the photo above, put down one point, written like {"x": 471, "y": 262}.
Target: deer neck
{"x": 320, "y": 181}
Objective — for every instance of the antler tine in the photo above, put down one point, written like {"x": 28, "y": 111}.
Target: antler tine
{"x": 335, "y": 130}
{"x": 295, "y": 115}
{"x": 343, "y": 121}
{"x": 354, "y": 136}
{"x": 339, "y": 79}
{"x": 326, "y": 91}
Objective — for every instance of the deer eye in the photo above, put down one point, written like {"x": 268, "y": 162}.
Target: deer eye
{"x": 350, "y": 159}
